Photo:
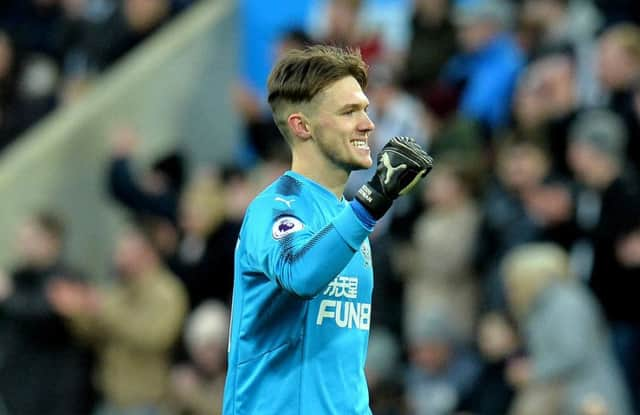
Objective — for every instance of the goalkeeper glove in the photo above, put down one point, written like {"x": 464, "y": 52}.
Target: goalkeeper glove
{"x": 401, "y": 165}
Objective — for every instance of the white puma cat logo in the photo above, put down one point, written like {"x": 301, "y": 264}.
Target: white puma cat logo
{"x": 285, "y": 201}
{"x": 390, "y": 169}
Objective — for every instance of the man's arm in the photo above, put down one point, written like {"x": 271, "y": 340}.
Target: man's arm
{"x": 298, "y": 259}
{"x": 303, "y": 262}
{"x": 124, "y": 188}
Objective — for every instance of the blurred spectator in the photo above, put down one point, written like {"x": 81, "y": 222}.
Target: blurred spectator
{"x": 152, "y": 194}
{"x": 498, "y": 343}
{"x": 559, "y": 23}
{"x": 438, "y": 261}
{"x": 38, "y": 86}
{"x": 563, "y": 25}
{"x": 264, "y": 137}
{"x": 155, "y": 191}
{"x": 607, "y": 213}
{"x": 197, "y": 386}
{"x": 344, "y": 28}
{"x": 523, "y": 203}
{"x": 384, "y": 376}
{"x": 42, "y": 369}
{"x": 385, "y": 20}
{"x": 394, "y": 111}
{"x": 93, "y": 34}
{"x": 204, "y": 260}
{"x": 440, "y": 370}
{"x": 190, "y": 227}
{"x": 131, "y": 23}
{"x": 239, "y": 190}
{"x": 570, "y": 359}
{"x": 132, "y": 326}
{"x": 545, "y": 103}
{"x": 433, "y": 42}
{"x": 487, "y": 67}
{"x": 597, "y": 159}
{"x": 618, "y": 67}
{"x": 26, "y": 89}
{"x": 52, "y": 50}
{"x": 453, "y": 136}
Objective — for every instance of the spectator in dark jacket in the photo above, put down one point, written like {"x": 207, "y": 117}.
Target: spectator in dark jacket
{"x": 608, "y": 215}
{"x": 190, "y": 227}
{"x": 42, "y": 370}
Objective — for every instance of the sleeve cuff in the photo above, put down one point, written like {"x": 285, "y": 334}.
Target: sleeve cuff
{"x": 351, "y": 228}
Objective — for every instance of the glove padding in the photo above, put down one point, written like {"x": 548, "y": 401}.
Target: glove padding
{"x": 401, "y": 165}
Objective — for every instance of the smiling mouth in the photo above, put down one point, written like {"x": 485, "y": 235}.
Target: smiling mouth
{"x": 360, "y": 144}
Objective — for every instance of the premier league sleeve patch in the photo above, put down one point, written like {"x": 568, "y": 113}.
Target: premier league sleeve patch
{"x": 286, "y": 225}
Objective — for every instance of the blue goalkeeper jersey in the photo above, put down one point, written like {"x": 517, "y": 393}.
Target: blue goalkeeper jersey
{"x": 301, "y": 305}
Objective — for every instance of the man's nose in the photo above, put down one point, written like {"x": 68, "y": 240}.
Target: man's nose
{"x": 367, "y": 124}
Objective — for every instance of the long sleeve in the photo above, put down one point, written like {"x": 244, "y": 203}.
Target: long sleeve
{"x": 303, "y": 262}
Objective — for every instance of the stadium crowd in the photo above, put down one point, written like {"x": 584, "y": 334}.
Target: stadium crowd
{"x": 504, "y": 285}
{"x": 51, "y": 50}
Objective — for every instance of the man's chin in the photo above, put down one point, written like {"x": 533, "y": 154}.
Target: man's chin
{"x": 356, "y": 164}
{"x": 363, "y": 165}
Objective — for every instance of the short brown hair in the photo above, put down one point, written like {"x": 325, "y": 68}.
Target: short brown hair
{"x": 301, "y": 74}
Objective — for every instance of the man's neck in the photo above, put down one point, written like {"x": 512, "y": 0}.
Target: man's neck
{"x": 331, "y": 177}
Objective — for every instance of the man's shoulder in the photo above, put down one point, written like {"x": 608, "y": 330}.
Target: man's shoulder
{"x": 274, "y": 213}
{"x": 284, "y": 196}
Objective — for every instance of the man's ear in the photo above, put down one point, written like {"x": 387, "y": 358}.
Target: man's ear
{"x": 299, "y": 126}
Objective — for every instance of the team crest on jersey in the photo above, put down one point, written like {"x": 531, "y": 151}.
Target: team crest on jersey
{"x": 365, "y": 250}
{"x": 286, "y": 225}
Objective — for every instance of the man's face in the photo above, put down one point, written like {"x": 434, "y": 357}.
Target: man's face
{"x": 521, "y": 167}
{"x": 615, "y": 69}
{"x": 588, "y": 163}
{"x": 340, "y": 125}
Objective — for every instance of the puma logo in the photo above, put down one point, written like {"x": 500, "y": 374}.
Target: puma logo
{"x": 390, "y": 169}
{"x": 285, "y": 201}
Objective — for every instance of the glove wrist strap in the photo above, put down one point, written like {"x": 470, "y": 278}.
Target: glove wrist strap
{"x": 375, "y": 202}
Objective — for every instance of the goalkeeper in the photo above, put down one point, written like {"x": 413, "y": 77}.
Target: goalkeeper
{"x": 303, "y": 278}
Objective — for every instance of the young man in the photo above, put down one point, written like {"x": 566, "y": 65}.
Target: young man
{"x": 303, "y": 279}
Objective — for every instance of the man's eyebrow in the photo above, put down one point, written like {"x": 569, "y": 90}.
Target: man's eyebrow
{"x": 353, "y": 106}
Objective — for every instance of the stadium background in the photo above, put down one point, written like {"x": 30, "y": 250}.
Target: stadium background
{"x": 152, "y": 112}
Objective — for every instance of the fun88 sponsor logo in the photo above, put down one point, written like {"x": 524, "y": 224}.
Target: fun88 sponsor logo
{"x": 337, "y": 308}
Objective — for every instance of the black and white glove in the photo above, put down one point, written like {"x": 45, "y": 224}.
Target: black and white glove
{"x": 401, "y": 165}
